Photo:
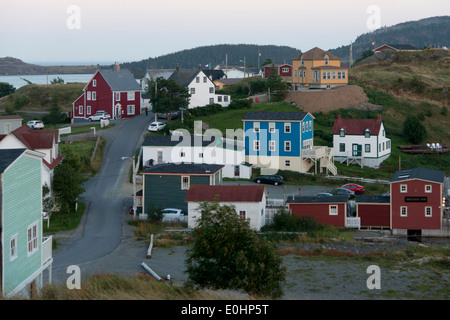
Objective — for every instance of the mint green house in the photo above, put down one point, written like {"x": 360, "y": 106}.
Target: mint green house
{"x": 25, "y": 253}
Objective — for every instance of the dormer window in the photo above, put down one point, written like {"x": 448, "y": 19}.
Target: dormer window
{"x": 301, "y": 61}
{"x": 342, "y": 132}
{"x": 327, "y": 61}
{"x": 367, "y": 133}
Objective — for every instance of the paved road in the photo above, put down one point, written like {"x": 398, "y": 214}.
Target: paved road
{"x": 102, "y": 224}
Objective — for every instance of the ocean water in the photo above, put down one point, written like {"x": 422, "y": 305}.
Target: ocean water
{"x": 18, "y": 80}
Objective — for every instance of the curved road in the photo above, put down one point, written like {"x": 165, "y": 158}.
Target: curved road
{"x": 102, "y": 229}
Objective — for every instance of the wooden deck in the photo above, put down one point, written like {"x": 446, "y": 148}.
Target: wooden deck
{"x": 424, "y": 149}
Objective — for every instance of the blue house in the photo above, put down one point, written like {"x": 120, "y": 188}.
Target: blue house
{"x": 283, "y": 140}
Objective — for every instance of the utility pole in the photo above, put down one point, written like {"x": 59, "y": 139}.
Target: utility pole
{"x": 351, "y": 54}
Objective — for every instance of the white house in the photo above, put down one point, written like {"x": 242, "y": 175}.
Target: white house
{"x": 154, "y": 74}
{"x": 249, "y": 202}
{"x": 9, "y": 123}
{"x": 361, "y": 141}
{"x": 200, "y": 86}
{"x": 197, "y": 149}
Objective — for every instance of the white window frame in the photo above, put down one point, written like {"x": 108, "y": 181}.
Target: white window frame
{"x": 287, "y": 146}
{"x": 192, "y": 90}
{"x": 88, "y": 109}
{"x": 32, "y": 239}
{"x": 131, "y": 109}
{"x": 185, "y": 184}
{"x": 431, "y": 212}
{"x": 94, "y": 95}
{"x": 333, "y": 210}
{"x": 271, "y": 127}
{"x": 131, "y": 96}
{"x": 272, "y": 145}
{"x": 428, "y": 188}
{"x": 243, "y": 214}
{"x": 287, "y": 127}
{"x": 403, "y": 188}
{"x": 403, "y": 211}
{"x": 13, "y": 253}
{"x": 256, "y": 145}
{"x": 88, "y": 95}
{"x": 80, "y": 109}
{"x": 256, "y": 126}
{"x": 117, "y": 96}
{"x": 94, "y": 83}
{"x": 287, "y": 163}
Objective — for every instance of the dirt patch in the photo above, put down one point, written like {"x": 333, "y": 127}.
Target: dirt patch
{"x": 327, "y": 100}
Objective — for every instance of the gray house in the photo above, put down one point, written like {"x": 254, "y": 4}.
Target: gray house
{"x": 9, "y": 123}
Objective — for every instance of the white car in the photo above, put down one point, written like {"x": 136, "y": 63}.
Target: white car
{"x": 35, "y": 124}
{"x": 172, "y": 215}
{"x": 156, "y": 126}
{"x": 100, "y": 115}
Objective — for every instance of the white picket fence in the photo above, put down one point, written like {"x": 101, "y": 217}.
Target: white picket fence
{"x": 353, "y": 222}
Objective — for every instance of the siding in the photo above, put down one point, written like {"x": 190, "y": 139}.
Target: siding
{"x": 19, "y": 212}
{"x": 321, "y": 212}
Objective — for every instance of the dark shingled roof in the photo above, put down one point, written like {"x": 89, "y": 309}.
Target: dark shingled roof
{"x": 168, "y": 141}
{"x": 184, "y": 77}
{"x": 7, "y": 156}
{"x": 275, "y": 116}
{"x": 181, "y": 168}
{"x": 120, "y": 80}
{"x": 419, "y": 173}
{"x": 314, "y": 199}
{"x": 225, "y": 193}
{"x": 373, "y": 199}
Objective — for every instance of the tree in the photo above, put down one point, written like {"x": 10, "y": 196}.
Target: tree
{"x": 413, "y": 130}
{"x": 167, "y": 96}
{"x": 6, "y": 88}
{"x": 57, "y": 80}
{"x": 227, "y": 254}
{"x": 55, "y": 115}
{"x": 278, "y": 88}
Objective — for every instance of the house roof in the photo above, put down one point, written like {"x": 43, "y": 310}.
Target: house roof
{"x": 230, "y": 193}
{"x": 357, "y": 126}
{"x": 398, "y": 46}
{"x": 184, "y": 168}
{"x": 168, "y": 141}
{"x": 157, "y": 73}
{"x": 8, "y": 156}
{"x": 120, "y": 80}
{"x": 184, "y": 77}
{"x": 11, "y": 117}
{"x": 36, "y": 139}
{"x": 214, "y": 74}
{"x": 419, "y": 173}
{"x": 316, "y": 54}
{"x": 275, "y": 116}
{"x": 373, "y": 199}
{"x": 313, "y": 199}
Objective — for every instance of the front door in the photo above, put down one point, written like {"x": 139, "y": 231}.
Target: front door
{"x": 236, "y": 171}
{"x": 160, "y": 156}
{"x": 118, "y": 110}
{"x": 356, "y": 150}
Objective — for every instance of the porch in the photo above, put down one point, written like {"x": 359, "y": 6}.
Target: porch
{"x": 323, "y": 155}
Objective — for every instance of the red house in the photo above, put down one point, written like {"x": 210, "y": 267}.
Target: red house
{"x": 374, "y": 211}
{"x": 114, "y": 91}
{"x": 329, "y": 210}
{"x": 417, "y": 201}
{"x": 284, "y": 70}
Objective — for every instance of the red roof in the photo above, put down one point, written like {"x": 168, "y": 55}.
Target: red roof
{"x": 225, "y": 193}
{"x": 36, "y": 139}
{"x": 357, "y": 126}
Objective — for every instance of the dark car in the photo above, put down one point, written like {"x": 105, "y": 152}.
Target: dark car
{"x": 343, "y": 191}
{"x": 173, "y": 115}
{"x": 270, "y": 179}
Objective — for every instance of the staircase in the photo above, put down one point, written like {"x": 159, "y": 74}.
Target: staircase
{"x": 326, "y": 163}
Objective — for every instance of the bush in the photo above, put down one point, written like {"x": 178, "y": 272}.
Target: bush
{"x": 413, "y": 130}
{"x": 240, "y": 104}
{"x": 155, "y": 214}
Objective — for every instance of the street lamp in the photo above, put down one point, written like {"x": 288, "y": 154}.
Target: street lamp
{"x": 134, "y": 185}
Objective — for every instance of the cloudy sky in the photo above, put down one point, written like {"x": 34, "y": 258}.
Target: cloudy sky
{"x": 104, "y": 31}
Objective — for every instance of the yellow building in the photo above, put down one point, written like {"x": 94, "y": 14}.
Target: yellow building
{"x": 317, "y": 68}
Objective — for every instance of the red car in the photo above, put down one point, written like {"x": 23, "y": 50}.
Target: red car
{"x": 356, "y": 188}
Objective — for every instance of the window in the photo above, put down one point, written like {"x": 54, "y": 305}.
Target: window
{"x": 94, "y": 95}
{"x": 117, "y": 96}
{"x": 204, "y": 79}
{"x": 301, "y": 61}
{"x": 295, "y": 73}
{"x": 88, "y": 95}
{"x": 342, "y": 132}
{"x": 182, "y": 154}
{"x": 32, "y": 239}
{"x": 272, "y": 145}
{"x": 130, "y": 109}
{"x": 333, "y": 210}
{"x": 428, "y": 188}
{"x": 403, "y": 188}
{"x": 225, "y": 98}
{"x": 327, "y": 61}
{"x": 287, "y": 127}
{"x": 255, "y": 126}
{"x": 211, "y": 100}
{"x": 303, "y": 127}
{"x": 285, "y": 70}
{"x": 310, "y": 125}
{"x": 200, "y": 155}
{"x": 13, "y": 248}
{"x": 326, "y": 75}
{"x": 242, "y": 214}
{"x": 388, "y": 144}
{"x": 367, "y": 148}
{"x": 197, "y": 79}
{"x": 219, "y": 98}
{"x": 341, "y": 147}
{"x": 94, "y": 83}
{"x": 256, "y": 145}
{"x": 88, "y": 109}
{"x": 271, "y": 127}
{"x": 367, "y": 133}
{"x": 403, "y": 211}
{"x": 192, "y": 90}
{"x": 211, "y": 89}
{"x": 185, "y": 183}
{"x": 80, "y": 109}
{"x": 427, "y": 211}
{"x": 379, "y": 147}
{"x": 287, "y": 146}
{"x": 130, "y": 96}
{"x": 334, "y": 75}
{"x": 287, "y": 163}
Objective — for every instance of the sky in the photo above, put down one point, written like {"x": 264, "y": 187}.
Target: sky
{"x": 104, "y": 31}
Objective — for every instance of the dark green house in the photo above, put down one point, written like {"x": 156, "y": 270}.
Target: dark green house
{"x": 165, "y": 185}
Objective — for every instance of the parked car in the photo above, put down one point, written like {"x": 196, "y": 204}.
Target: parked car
{"x": 324, "y": 194}
{"x": 356, "y": 188}
{"x": 100, "y": 115}
{"x": 173, "y": 115}
{"x": 270, "y": 179}
{"x": 156, "y": 126}
{"x": 343, "y": 191}
{"x": 35, "y": 124}
{"x": 172, "y": 214}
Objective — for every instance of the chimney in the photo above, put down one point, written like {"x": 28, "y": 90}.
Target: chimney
{"x": 379, "y": 117}
{"x": 116, "y": 66}
{"x": 199, "y": 67}
{"x": 178, "y": 67}
{"x": 339, "y": 116}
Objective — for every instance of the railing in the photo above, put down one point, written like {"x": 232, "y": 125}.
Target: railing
{"x": 354, "y": 222}
{"x": 275, "y": 203}
{"x": 315, "y": 153}
{"x": 65, "y": 130}
{"x": 46, "y": 250}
